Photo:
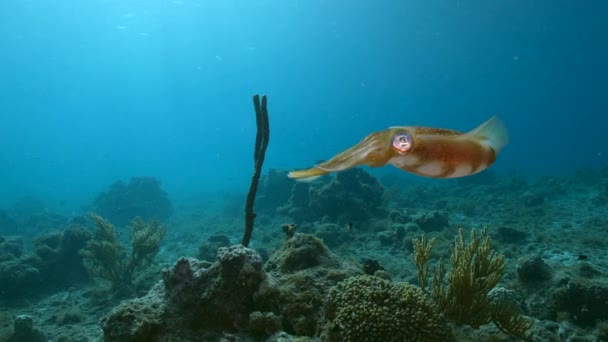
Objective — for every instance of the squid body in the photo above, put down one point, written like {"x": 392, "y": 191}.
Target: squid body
{"x": 424, "y": 151}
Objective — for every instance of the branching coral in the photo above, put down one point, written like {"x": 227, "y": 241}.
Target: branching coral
{"x": 476, "y": 270}
{"x": 506, "y": 316}
{"x": 145, "y": 241}
{"x": 421, "y": 256}
{"x": 106, "y": 258}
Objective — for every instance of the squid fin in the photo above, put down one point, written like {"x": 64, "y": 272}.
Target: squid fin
{"x": 492, "y": 132}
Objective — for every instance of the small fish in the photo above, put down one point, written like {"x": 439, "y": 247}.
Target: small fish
{"x": 424, "y": 151}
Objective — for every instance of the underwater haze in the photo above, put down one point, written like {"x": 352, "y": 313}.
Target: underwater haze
{"x": 94, "y": 91}
{"x": 128, "y": 210}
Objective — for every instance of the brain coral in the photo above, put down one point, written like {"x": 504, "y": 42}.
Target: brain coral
{"x": 367, "y": 308}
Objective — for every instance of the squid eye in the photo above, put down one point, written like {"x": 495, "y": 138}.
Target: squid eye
{"x": 402, "y": 142}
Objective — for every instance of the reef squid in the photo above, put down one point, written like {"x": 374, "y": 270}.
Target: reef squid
{"x": 424, "y": 151}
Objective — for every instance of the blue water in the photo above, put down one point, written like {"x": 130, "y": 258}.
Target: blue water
{"x": 95, "y": 91}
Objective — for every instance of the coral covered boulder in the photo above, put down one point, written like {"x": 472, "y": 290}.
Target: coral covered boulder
{"x": 196, "y": 297}
{"x": 25, "y": 331}
{"x": 297, "y": 204}
{"x": 432, "y": 220}
{"x": 55, "y": 264}
{"x": 587, "y": 304}
{"x": 208, "y": 249}
{"x": 57, "y": 256}
{"x": 223, "y": 295}
{"x": 534, "y": 272}
{"x": 142, "y": 196}
{"x": 140, "y": 319}
{"x": 10, "y": 248}
{"x": 333, "y": 235}
{"x": 274, "y": 191}
{"x": 304, "y": 269}
{"x": 17, "y": 278}
{"x": 351, "y": 196}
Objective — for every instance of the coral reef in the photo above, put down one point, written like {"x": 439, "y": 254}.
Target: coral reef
{"x": 10, "y": 248}
{"x": 225, "y": 295}
{"x": 587, "y": 304}
{"x": 55, "y": 264}
{"x": 105, "y": 257}
{"x": 332, "y": 235}
{"x": 274, "y": 192}
{"x": 371, "y": 266}
{"x": 304, "y": 269}
{"x": 554, "y": 267}
{"x": 431, "y": 220}
{"x": 58, "y": 259}
{"x": 367, "y": 308}
{"x": 289, "y": 230}
{"x": 17, "y": 278}
{"x": 351, "y": 196}
{"x": 24, "y": 331}
{"x": 235, "y": 294}
{"x": 139, "y": 319}
{"x": 196, "y": 296}
{"x": 534, "y": 272}
{"x": 264, "y": 324}
{"x": 297, "y": 204}
{"x": 141, "y": 197}
{"x": 208, "y": 249}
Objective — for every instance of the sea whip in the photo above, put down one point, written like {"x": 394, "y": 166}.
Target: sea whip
{"x": 261, "y": 142}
